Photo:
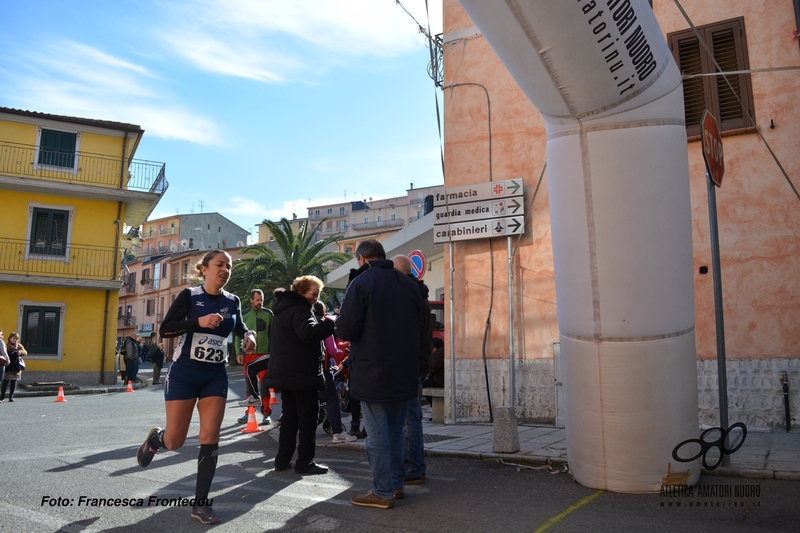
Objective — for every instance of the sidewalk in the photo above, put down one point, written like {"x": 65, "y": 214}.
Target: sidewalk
{"x": 764, "y": 455}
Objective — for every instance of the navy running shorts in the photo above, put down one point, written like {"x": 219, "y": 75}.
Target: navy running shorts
{"x": 188, "y": 379}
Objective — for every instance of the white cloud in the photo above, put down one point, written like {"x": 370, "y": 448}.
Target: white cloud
{"x": 247, "y": 38}
{"x": 257, "y": 211}
{"x": 70, "y": 78}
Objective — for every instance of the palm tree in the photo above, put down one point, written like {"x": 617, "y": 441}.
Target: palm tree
{"x": 298, "y": 255}
{"x": 250, "y": 273}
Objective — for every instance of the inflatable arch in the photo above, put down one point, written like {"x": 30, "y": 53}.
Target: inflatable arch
{"x": 611, "y": 96}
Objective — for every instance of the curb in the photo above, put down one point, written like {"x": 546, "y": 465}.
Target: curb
{"x": 89, "y": 390}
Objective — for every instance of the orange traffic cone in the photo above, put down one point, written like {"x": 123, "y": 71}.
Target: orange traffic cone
{"x": 272, "y": 398}
{"x": 61, "y": 395}
{"x": 252, "y": 425}
{"x": 130, "y": 386}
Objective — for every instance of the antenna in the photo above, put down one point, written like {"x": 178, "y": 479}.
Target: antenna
{"x": 201, "y": 206}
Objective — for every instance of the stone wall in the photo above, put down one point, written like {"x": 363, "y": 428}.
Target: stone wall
{"x": 755, "y": 392}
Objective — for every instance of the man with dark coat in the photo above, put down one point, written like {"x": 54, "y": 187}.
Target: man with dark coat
{"x": 382, "y": 316}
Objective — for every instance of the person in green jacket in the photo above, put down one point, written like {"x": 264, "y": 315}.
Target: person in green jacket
{"x": 258, "y": 319}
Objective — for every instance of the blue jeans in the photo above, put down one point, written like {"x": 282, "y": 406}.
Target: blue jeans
{"x": 331, "y": 399}
{"x": 385, "y": 446}
{"x": 415, "y": 445}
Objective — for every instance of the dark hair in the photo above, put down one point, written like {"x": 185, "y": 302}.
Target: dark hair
{"x": 256, "y": 291}
{"x": 319, "y": 309}
{"x": 207, "y": 259}
{"x": 371, "y": 249}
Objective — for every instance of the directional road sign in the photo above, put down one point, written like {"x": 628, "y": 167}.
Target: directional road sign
{"x": 478, "y": 229}
{"x": 501, "y": 207}
{"x": 481, "y": 191}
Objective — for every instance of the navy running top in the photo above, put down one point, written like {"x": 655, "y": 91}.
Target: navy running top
{"x": 205, "y": 345}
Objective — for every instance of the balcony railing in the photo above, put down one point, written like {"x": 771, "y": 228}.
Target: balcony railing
{"x": 70, "y": 261}
{"x": 168, "y": 231}
{"x": 330, "y": 231}
{"x": 129, "y": 289}
{"x": 126, "y": 322}
{"x": 92, "y": 169}
{"x": 378, "y": 224}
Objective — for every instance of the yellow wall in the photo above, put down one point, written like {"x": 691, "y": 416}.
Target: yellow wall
{"x": 17, "y": 132}
{"x": 82, "y": 326}
{"x": 93, "y": 220}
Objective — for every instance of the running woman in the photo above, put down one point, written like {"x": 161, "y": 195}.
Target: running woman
{"x": 202, "y": 317}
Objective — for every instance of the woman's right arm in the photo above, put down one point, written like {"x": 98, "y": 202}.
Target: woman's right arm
{"x": 176, "y": 321}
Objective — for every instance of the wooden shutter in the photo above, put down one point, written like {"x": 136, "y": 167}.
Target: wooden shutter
{"x": 727, "y": 42}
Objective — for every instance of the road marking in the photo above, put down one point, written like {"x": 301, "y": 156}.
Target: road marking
{"x": 556, "y": 519}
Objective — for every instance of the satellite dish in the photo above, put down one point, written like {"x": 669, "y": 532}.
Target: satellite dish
{"x": 239, "y": 244}
{"x": 173, "y": 248}
{"x": 184, "y": 243}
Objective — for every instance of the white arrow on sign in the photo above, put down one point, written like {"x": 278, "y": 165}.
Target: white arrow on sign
{"x": 481, "y": 229}
{"x": 480, "y": 191}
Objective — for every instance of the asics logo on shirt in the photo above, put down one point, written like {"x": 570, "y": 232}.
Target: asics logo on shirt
{"x": 199, "y": 304}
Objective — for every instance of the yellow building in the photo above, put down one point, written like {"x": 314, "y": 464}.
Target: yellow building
{"x": 68, "y": 188}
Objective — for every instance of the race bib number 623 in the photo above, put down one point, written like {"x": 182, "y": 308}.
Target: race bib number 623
{"x": 209, "y": 348}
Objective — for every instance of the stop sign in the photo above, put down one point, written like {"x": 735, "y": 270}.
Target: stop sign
{"x": 712, "y": 147}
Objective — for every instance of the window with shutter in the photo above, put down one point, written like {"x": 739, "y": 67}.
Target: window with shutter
{"x": 49, "y": 231}
{"x": 40, "y": 329}
{"x": 57, "y": 148}
{"x": 730, "y": 102}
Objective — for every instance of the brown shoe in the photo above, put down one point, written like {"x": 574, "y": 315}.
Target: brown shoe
{"x": 415, "y": 480}
{"x": 399, "y": 494}
{"x": 371, "y": 500}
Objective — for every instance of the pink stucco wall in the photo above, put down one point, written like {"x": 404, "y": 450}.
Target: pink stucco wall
{"x": 758, "y": 213}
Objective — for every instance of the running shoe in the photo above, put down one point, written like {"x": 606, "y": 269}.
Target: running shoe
{"x": 205, "y": 514}
{"x": 146, "y": 452}
{"x": 343, "y": 437}
{"x": 250, "y": 400}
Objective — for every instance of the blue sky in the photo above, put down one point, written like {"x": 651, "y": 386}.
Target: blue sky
{"x": 258, "y": 108}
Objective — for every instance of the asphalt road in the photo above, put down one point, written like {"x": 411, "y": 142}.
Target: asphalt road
{"x": 60, "y": 459}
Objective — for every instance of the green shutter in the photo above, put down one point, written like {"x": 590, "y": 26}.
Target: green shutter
{"x": 57, "y": 148}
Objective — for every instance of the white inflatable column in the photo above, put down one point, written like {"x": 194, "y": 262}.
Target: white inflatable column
{"x": 603, "y": 78}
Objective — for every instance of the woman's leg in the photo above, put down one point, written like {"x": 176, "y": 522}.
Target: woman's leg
{"x": 13, "y": 388}
{"x": 3, "y": 388}
{"x": 212, "y": 411}
{"x": 287, "y": 440}
{"x": 179, "y": 416}
{"x": 332, "y": 404}
{"x": 307, "y": 411}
